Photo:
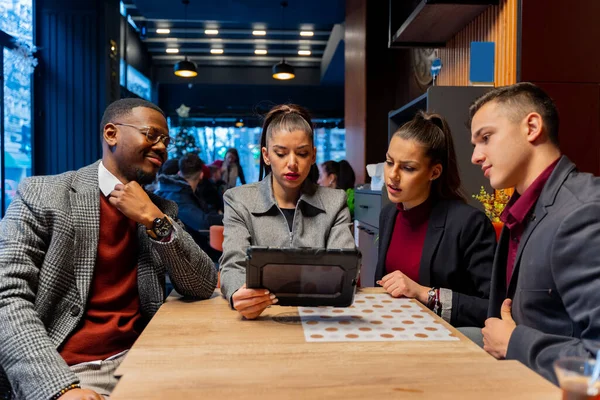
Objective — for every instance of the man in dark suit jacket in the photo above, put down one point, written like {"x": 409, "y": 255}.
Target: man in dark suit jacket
{"x": 83, "y": 257}
{"x": 545, "y": 295}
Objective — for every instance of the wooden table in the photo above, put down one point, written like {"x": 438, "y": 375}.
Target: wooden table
{"x": 205, "y": 350}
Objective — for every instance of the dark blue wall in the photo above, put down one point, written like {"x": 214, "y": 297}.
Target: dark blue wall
{"x": 74, "y": 82}
{"x": 248, "y": 100}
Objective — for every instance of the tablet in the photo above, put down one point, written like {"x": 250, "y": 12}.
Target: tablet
{"x": 306, "y": 277}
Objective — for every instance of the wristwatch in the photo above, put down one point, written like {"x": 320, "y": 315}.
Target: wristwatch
{"x": 431, "y": 298}
{"x": 161, "y": 228}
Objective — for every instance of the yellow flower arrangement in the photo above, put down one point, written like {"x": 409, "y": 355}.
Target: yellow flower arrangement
{"x": 493, "y": 204}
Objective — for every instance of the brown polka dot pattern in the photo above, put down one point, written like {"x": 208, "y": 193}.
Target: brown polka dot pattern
{"x": 373, "y": 317}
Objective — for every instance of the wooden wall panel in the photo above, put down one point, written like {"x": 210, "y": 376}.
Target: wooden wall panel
{"x": 355, "y": 103}
{"x": 497, "y": 24}
{"x": 557, "y": 53}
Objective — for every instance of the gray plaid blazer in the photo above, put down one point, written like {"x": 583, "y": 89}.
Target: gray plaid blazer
{"x": 48, "y": 245}
{"x": 252, "y": 218}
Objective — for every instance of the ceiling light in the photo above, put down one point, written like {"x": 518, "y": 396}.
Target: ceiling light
{"x": 211, "y": 32}
{"x": 216, "y": 51}
{"x": 185, "y": 68}
{"x": 172, "y": 50}
{"x": 260, "y": 52}
{"x": 304, "y": 52}
{"x": 283, "y": 71}
{"x": 259, "y": 33}
{"x": 163, "y": 31}
{"x": 307, "y": 33}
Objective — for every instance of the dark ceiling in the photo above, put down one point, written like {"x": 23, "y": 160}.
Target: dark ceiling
{"x": 236, "y": 20}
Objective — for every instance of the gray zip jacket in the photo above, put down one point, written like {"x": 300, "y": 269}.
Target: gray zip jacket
{"x": 252, "y": 218}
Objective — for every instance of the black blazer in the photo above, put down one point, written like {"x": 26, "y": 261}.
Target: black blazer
{"x": 457, "y": 254}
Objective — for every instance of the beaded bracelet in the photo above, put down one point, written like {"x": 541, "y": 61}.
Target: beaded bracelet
{"x": 65, "y": 390}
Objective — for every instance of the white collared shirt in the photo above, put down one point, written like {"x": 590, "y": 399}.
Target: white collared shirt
{"x": 106, "y": 180}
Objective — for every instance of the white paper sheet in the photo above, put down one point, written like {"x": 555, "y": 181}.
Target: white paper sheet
{"x": 372, "y": 318}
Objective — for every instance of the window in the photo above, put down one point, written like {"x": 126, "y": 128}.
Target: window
{"x": 138, "y": 84}
{"x": 16, "y": 17}
{"x": 122, "y": 71}
{"x": 330, "y": 143}
{"x": 212, "y": 142}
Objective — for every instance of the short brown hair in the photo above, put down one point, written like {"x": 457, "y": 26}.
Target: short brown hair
{"x": 522, "y": 98}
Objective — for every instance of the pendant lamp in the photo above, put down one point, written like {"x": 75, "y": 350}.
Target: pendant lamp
{"x": 185, "y": 68}
{"x": 282, "y": 70}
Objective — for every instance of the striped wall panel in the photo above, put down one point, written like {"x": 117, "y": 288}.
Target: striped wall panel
{"x": 497, "y": 24}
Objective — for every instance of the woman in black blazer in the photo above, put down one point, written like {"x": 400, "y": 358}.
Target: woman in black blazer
{"x": 432, "y": 245}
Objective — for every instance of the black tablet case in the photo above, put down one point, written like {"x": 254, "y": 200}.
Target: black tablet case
{"x": 306, "y": 277}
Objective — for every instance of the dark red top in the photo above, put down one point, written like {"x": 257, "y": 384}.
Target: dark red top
{"x": 408, "y": 237}
{"x": 515, "y": 214}
{"x": 112, "y": 319}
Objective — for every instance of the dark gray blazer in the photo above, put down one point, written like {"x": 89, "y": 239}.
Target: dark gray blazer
{"x": 555, "y": 284}
{"x": 48, "y": 246}
{"x": 252, "y": 218}
{"x": 457, "y": 254}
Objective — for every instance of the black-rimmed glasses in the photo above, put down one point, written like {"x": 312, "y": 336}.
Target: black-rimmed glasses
{"x": 151, "y": 135}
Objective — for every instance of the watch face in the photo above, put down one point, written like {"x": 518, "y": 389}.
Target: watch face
{"x": 162, "y": 227}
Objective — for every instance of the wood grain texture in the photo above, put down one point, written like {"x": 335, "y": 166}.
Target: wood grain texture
{"x": 355, "y": 93}
{"x": 497, "y": 24}
{"x": 205, "y": 350}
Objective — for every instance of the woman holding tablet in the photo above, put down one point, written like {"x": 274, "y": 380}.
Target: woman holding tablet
{"x": 284, "y": 209}
{"x": 433, "y": 246}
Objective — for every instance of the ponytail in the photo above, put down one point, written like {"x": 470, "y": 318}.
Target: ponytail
{"x": 432, "y": 132}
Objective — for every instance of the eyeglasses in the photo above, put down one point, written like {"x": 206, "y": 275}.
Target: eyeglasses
{"x": 151, "y": 135}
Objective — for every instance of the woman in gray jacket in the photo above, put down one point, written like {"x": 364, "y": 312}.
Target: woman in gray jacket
{"x": 285, "y": 209}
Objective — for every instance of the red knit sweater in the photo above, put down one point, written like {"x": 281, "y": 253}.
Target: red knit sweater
{"x": 112, "y": 319}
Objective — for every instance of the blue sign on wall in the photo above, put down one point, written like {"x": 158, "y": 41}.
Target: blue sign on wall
{"x": 482, "y": 63}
